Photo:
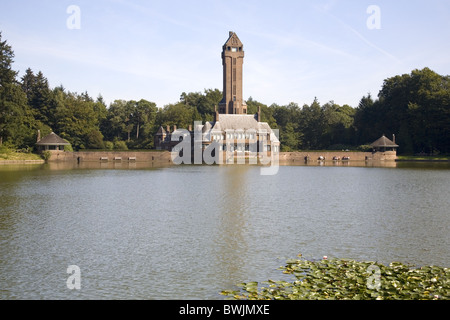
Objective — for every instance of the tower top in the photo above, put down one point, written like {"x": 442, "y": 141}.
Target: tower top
{"x": 233, "y": 42}
{"x": 232, "y": 61}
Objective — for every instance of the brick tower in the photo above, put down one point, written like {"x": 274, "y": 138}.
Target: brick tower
{"x": 232, "y": 61}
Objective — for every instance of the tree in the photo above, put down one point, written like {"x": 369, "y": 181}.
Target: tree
{"x": 78, "y": 121}
{"x": 267, "y": 113}
{"x": 203, "y": 103}
{"x": 131, "y": 120}
{"x": 415, "y": 107}
{"x": 94, "y": 140}
{"x": 290, "y": 138}
{"x": 118, "y": 118}
{"x": 16, "y": 121}
{"x": 144, "y": 117}
{"x": 338, "y": 124}
{"x": 179, "y": 114}
{"x": 312, "y": 122}
{"x": 39, "y": 96}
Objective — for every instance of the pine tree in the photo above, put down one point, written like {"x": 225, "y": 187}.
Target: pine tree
{"x": 16, "y": 120}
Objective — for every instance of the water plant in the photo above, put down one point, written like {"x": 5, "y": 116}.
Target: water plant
{"x": 343, "y": 279}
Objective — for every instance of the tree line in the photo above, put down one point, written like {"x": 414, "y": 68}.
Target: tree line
{"x": 415, "y": 107}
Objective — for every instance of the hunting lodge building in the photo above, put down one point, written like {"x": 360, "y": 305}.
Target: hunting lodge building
{"x": 231, "y": 121}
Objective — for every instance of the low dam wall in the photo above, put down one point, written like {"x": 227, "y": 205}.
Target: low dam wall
{"x": 329, "y": 155}
{"x": 165, "y": 156}
{"x": 109, "y": 156}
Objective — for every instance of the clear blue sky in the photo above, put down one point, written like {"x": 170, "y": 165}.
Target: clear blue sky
{"x": 294, "y": 50}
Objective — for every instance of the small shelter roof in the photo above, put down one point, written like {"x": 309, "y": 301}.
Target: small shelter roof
{"x": 52, "y": 140}
{"x": 384, "y": 142}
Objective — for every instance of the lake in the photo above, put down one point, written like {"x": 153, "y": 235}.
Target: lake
{"x": 188, "y": 232}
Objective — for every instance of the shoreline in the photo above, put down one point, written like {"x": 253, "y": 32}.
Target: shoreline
{"x": 421, "y": 160}
{"x": 3, "y": 162}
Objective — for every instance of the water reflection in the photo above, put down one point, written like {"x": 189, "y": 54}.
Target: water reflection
{"x": 232, "y": 213}
{"x": 118, "y": 165}
{"x": 330, "y": 163}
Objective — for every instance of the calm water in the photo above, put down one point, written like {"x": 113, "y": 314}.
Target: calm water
{"x": 188, "y": 232}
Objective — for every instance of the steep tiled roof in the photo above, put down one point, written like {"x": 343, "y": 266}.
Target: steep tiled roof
{"x": 384, "y": 142}
{"x": 161, "y": 131}
{"x": 52, "y": 140}
{"x": 237, "y": 122}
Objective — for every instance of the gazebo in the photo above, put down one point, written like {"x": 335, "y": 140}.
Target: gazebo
{"x": 384, "y": 144}
{"x": 51, "y": 142}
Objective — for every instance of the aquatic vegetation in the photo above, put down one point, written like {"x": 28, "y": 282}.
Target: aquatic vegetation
{"x": 343, "y": 279}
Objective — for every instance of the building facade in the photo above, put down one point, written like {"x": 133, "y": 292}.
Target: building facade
{"x": 233, "y": 130}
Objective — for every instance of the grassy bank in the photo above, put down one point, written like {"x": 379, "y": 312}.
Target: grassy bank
{"x": 9, "y": 154}
{"x": 423, "y": 158}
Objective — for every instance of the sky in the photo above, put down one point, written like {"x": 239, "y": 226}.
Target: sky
{"x": 295, "y": 51}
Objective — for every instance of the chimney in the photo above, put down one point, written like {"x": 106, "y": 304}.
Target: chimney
{"x": 38, "y": 136}
{"x": 216, "y": 114}
{"x": 393, "y": 138}
{"x": 259, "y": 113}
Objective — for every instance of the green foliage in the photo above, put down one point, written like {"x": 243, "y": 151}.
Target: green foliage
{"x": 290, "y": 138}
{"x": 130, "y": 120}
{"x": 203, "y": 104}
{"x": 77, "y": 120}
{"x": 39, "y": 96}
{"x": 342, "y": 279}
{"x": 120, "y": 145}
{"x": 94, "y": 140}
{"x": 179, "y": 114}
{"x": 364, "y": 148}
{"x": 109, "y": 145}
{"x": 68, "y": 148}
{"x": 416, "y": 107}
{"x": 16, "y": 119}
{"x": 46, "y": 155}
{"x": 266, "y": 112}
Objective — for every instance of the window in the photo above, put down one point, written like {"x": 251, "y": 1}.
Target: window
{"x": 234, "y": 49}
